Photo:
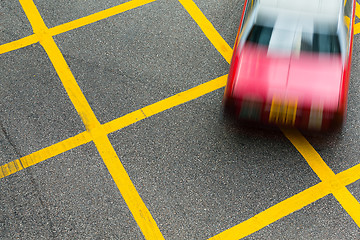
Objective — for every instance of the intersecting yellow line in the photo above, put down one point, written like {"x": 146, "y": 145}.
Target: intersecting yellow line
{"x": 136, "y": 206}
{"x": 289, "y": 205}
{"x": 345, "y": 198}
{"x": 26, "y": 41}
{"x": 331, "y": 183}
{"x": 340, "y": 192}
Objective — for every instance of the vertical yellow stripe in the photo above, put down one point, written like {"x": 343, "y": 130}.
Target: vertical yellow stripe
{"x": 137, "y": 207}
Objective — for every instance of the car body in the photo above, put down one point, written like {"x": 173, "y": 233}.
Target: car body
{"x": 291, "y": 63}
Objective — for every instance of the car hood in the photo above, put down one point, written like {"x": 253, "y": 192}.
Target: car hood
{"x": 309, "y": 78}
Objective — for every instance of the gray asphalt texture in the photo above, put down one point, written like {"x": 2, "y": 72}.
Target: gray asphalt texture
{"x": 197, "y": 173}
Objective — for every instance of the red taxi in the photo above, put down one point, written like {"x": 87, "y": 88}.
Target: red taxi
{"x": 291, "y": 63}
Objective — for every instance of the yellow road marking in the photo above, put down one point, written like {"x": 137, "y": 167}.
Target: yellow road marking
{"x": 165, "y": 104}
{"x": 289, "y": 205}
{"x": 98, "y": 16}
{"x": 210, "y": 32}
{"x": 344, "y": 197}
{"x": 23, "y": 42}
{"x": 347, "y": 201}
{"x": 26, "y": 41}
{"x": 47, "y": 153}
{"x": 133, "y": 200}
{"x": 137, "y": 115}
{"x": 274, "y": 213}
{"x": 118, "y": 124}
{"x": 357, "y": 13}
{"x": 137, "y": 207}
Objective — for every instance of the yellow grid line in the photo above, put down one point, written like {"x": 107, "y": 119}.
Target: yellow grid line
{"x": 114, "y": 125}
{"x": 210, "y": 32}
{"x": 289, "y": 205}
{"x": 133, "y": 200}
{"x": 26, "y": 41}
{"x": 357, "y": 13}
{"x": 346, "y": 177}
{"x": 344, "y": 197}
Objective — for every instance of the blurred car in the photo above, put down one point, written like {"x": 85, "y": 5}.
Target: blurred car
{"x": 291, "y": 63}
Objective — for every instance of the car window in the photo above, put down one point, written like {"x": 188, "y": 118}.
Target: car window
{"x": 260, "y": 35}
{"x": 323, "y": 42}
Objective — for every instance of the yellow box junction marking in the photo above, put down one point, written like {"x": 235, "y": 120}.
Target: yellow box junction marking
{"x": 26, "y": 41}
{"x": 289, "y": 205}
{"x": 115, "y": 125}
{"x": 137, "y": 207}
{"x": 334, "y": 184}
{"x": 340, "y": 192}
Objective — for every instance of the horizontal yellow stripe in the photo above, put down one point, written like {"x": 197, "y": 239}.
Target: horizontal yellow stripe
{"x": 10, "y": 168}
{"x": 293, "y": 204}
{"x": 275, "y": 213}
{"x": 55, "y": 149}
{"x": 23, "y": 42}
{"x": 122, "y": 122}
{"x": 98, "y": 16}
{"x": 26, "y": 41}
{"x": 44, "y": 154}
{"x": 165, "y": 104}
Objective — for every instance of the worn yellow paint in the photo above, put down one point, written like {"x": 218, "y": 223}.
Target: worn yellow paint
{"x": 121, "y": 122}
{"x": 210, "y": 32}
{"x": 10, "y": 168}
{"x": 46, "y": 153}
{"x": 56, "y": 149}
{"x": 137, "y": 207}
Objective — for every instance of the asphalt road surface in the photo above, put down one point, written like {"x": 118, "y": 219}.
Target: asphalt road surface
{"x": 111, "y": 128}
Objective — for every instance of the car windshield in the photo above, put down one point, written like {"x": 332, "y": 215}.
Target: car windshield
{"x": 317, "y": 39}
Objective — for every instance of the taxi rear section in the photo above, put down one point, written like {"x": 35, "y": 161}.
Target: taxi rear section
{"x": 277, "y": 90}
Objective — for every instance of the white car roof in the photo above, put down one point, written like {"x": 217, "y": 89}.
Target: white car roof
{"x": 294, "y": 20}
{"x": 326, "y": 8}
